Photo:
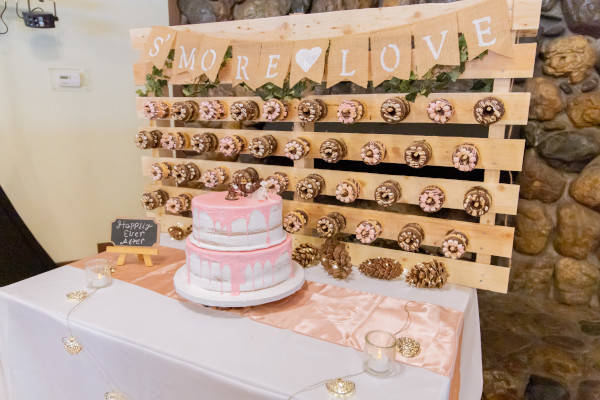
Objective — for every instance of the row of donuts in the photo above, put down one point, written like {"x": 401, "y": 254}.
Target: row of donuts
{"x": 476, "y": 201}
{"x": 411, "y": 236}
{"x": 486, "y": 111}
{"x": 418, "y": 154}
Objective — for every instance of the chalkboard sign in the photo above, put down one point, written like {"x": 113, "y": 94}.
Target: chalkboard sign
{"x": 138, "y": 232}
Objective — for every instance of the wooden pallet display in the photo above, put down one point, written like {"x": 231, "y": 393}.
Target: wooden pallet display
{"x": 487, "y": 240}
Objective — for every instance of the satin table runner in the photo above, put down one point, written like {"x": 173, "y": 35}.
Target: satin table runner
{"x": 327, "y": 312}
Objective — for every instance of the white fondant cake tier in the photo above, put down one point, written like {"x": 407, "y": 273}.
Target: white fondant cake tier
{"x": 235, "y": 272}
{"x": 236, "y": 225}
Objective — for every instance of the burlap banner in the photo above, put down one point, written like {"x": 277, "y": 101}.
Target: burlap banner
{"x": 485, "y": 25}
{"x": 158, "y": 45}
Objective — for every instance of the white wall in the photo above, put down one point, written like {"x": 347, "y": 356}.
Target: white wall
{"x": 67, "y": 159}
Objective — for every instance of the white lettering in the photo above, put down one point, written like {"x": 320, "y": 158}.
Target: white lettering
{"x": 214, "y": 58}
{"x": 480, "y": 33}
{"x": 344, "y": 73}
{"x": 272, "y": 65}
{"x": 241, "y": 68}
{"x": 397, "y": 51}
{"x": 187, "y": 61}
{"x": 156, "y": 45}
{"x": 436, "y": 54}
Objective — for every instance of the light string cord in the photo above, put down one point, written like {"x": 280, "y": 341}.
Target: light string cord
{"x": 2, "y": 19}
{"x": 316, "y": 385}
{"x": 85, "y": 354}
{"x": 408, "y": 319}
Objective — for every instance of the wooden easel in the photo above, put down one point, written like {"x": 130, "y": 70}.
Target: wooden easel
{"x": 143, "y": 253}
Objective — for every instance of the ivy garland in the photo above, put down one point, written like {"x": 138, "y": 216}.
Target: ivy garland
{"x": 436, "y": 79}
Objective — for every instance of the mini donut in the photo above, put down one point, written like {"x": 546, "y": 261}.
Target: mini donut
{"x": 312, "y": 110}
{"x": 347, "y": 190}
{"x": 465, "y": 157}
{"x": 203, "y": 142}
{"x": 153, "y": 109}
{"x": 373, "y": 152}
{"x": 418, "y": 154}
{"x": 232, "y": 145}
{"x": 440, "y": 111}
{"x": 333, "y": 150}
{"x": 331, "y": 224}
{"x": 278, "y": 182}
{"x": 179, "y": 204}
{"x": 489, "y": 110}
{"x": 187, "y": 172}
{"x": 155, "y": 199}
{"x": 275, "y": 110}
{"x": 244, "y": 110}
{"x": 310, "y": 187}
{"x": 454, "y": 245}
{"x": 211, "y": 110}
{"x": 295, "y": 220}
{"x": 350, "y": 111}
{"x": 431, "y": 199}
{"x": 147, "y": 140}
{"x": 296, "y": 148}
{"x": 477, "y": 201}
{"x": 388, "y": 193}
{"x": 159, "y": 171}
{"x": 262, "y": 146}
{"x": 184, "y": 110}
{"x": 410, "y": 237}
{"x": 394, "y": 110}
{"x": 214, "y": 177}
{"x": 175, "y": 140}
{"x": 368, "y": 231}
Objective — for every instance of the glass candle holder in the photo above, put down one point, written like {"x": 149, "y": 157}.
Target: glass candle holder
{"x": 97, "y": 273}
{"x": 379, "y": 353}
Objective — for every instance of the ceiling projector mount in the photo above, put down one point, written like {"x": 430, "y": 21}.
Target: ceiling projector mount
{"x": 38, "y": 18}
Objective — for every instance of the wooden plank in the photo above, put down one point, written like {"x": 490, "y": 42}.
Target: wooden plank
{"x": 516, "y": 104}
{"x": 465, "y": 273}
{"x": 491, "y": 66}
{"x": 526, "y": 16}
{"x": 504, "y": 196}
{"x": 506, "y": 155}
{"x": 483, "y": 239}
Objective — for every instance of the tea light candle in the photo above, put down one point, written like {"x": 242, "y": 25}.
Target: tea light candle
{"x": 378, "y": 362}
{"x": 97, "y": 273}
{"x": 380, "y": 353}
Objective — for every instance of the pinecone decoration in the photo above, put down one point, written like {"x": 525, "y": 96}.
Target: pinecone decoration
{"x": 432, "y": 274}
{"x": 305, "y": 255}
{"x": 335, "y": 258}
{"x": 381, "y": 268}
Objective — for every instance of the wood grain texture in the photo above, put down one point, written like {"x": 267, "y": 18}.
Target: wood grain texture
{"x": 526, "y": 18}
{"x": 516, "y": 104}
{"x": 491, "y": 66}
{"x": 504, "y": 196}
{"x": 500, "y": 154}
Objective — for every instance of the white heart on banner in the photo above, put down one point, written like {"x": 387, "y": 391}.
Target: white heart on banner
{"x": 306, "y": 58}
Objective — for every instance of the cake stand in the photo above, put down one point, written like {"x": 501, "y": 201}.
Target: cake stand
{"x": 244, "y": 299}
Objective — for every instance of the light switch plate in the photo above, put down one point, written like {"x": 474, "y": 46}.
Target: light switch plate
{"x": 69, "y": 79}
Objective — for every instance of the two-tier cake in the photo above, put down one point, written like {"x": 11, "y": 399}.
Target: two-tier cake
{"x": 238, "y": 252}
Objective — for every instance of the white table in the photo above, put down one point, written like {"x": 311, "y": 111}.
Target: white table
{"x": 153, "y": 347}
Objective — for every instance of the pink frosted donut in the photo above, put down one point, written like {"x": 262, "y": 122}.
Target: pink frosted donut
{"x": 440, "y": 111}
{"x": 367, "y": 231}
{"x": 465, "y": 157}
{"x": 211, "y": 110}
{"x": 431, "y": 199}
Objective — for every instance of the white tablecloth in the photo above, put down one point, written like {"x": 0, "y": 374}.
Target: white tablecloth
{"x": 149, "y": 346}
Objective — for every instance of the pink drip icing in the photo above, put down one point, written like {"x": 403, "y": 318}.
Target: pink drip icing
{"x": 238, "y": 261}
{"x": 227, "y": 211}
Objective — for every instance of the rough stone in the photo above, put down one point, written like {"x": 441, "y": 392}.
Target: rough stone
{"x": 564, "y": 342}
{"x": 201, "y": 11}
{"x": 533, "y": 226}
{"x": 554, "y": 362}
{"x": 571, "y": 56}
{"x": 589, "y": 390}
{"x": 393, "y": 3}
{"x": 546, "y": 100}
{"x": 590, "y": 328}
{"x": 533, "y": 133}
{"x": 577, "y": 230}
{"x": 566, "y": 88}
{"x": 582, "y": 16}
{"x": 584, "y": 110}
{"x": 539, "y": 181}
{"x": 589, "y": 85}
{"x": 569, "y": 151}
{"x": 540, "y": 388}
{"x": 504, "y": 342}
{"x": 585, "y": 189}
{"x": 547, "y": 5}
{"x": 553, "y": 30}
{"x": 554, "y": 125}
{"x": 575, "y": 281}
{"x": 319, "y": 6}
{"x": 531, "y": 276}
{"x": 498, "y": 384}
{"x": 252, "y": 9}
{"x": 300, "y": 6}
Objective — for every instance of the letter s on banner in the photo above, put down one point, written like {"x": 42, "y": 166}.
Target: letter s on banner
{"x": 157, "y": 45}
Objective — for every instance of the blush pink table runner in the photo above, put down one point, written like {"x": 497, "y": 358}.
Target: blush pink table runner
{"x": 337, "y": 315}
